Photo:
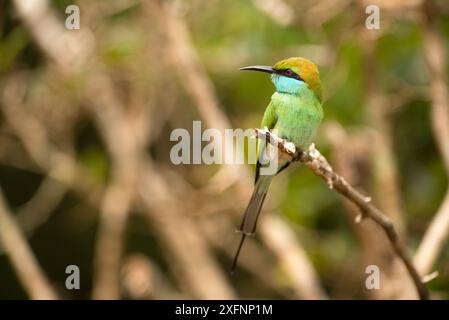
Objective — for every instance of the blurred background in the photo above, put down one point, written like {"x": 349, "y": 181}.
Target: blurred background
{"x": 85, "y": 173}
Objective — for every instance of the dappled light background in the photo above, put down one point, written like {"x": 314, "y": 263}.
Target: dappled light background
{"x": 85, "y": 171}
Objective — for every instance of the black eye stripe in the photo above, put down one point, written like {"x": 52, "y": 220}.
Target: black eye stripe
{"x": 292, "y": 74}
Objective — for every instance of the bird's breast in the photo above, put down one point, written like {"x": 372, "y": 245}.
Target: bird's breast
{"x": 298, "y": 118}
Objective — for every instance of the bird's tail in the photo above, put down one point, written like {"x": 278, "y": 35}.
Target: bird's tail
{"x": 249, "y": 221}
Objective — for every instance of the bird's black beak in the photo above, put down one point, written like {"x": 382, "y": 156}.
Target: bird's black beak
{"x": 266, "y": 69}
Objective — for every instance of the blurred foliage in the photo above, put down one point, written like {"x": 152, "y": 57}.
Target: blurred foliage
{"x": 227, "y": 35}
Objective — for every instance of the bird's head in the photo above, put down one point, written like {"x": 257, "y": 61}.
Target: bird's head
{"x": 291, "y": 74}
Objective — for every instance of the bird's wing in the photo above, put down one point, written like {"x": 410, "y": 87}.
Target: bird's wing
{"x": 269, "y": 120}
{"x": 269, "y": 117}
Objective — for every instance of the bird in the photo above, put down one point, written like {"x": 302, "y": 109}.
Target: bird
{"x": 295, "y": 112}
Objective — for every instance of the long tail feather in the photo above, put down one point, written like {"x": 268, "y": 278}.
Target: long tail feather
{"x": 236, "y": 257}
{"x": 249, "y": 221}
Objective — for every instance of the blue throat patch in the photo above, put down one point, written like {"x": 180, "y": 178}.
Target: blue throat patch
{"x": 286, "y": 84}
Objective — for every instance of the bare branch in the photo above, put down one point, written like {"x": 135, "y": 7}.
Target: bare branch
{"x": 22, "y": 258}
{"x": 38, "y": 209}
{"x": 319, "y": 165}
{"x": 68, "y": 49}
{"x": 114, "y": 208}
{"x": 434, "y": 238}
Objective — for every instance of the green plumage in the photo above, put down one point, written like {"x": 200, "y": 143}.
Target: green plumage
{"x": 295, "y": 116}
{"x": 295, "y": 112}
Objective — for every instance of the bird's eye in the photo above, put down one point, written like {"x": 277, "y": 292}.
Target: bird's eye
{"x": 288, "y": 72}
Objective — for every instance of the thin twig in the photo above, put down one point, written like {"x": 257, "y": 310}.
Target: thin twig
{"x": 22, "y": 258}
{"x": 319, "y": 165}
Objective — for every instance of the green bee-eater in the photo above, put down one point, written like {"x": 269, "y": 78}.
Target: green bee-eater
{"x": 295, "y": 112}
